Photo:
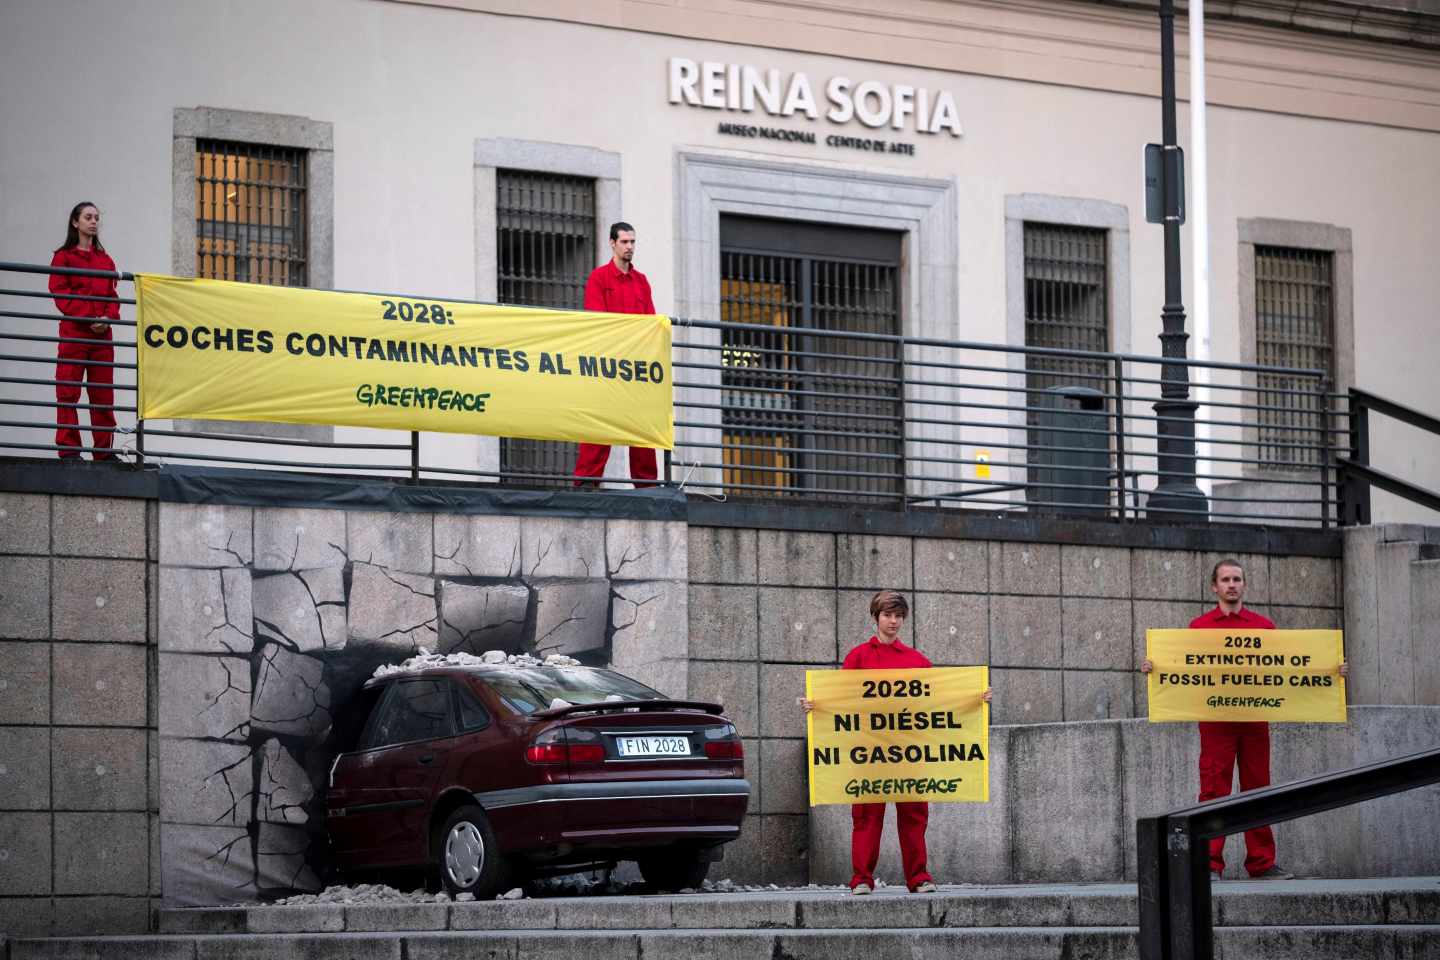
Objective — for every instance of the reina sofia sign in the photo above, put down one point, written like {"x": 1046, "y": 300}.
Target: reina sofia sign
{"x": 735, "y": 86}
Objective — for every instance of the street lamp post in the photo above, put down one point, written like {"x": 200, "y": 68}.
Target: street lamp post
{"x": 1175, "y": 411}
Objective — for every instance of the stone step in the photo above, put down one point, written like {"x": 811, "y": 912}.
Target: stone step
{"x": 1236, "y": 903}
{"x": 1010, "y": 943}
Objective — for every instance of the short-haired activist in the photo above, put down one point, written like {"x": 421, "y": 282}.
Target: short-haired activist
{"x": 617, "y": 287}
{"x": 1224, "y": 745}
{"x": 886, "y": 651}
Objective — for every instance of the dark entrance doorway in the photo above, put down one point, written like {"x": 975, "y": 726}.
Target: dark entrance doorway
{"x": 807, "y": 407}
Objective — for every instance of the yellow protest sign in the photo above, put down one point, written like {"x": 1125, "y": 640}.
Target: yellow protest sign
{"x": 210, "y": 349}
{"x": 1276, "y": 675}
{"x": 897, "y": 735}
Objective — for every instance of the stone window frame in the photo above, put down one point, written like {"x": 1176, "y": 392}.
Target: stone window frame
{"x": 317, "y": 138}
{"x": 539, "y": 156}
{"x": 1307, "y": 235}
{"x": 1114, "y": 219}
{"x": 924, "y": 210}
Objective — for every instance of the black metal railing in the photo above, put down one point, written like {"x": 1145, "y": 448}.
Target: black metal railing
{"x": 1173, "y": 850}
{"x": 1357, "y": 476}
{"x": 973, "y": 430}
{"x": 964, "y": 425}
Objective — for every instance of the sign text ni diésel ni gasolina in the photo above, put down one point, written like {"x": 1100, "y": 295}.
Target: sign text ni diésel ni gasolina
{"x": 742, "y": 88}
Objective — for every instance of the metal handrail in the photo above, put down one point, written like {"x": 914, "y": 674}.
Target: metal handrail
{"x": 1354, "y": 474}
{"x": 829, "y": 423}
{"x": 1173, "y": 855}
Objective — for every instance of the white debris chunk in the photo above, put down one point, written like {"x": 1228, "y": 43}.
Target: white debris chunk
{"x": 512, "y": 894}
{"x": 426, "y": 660}
{"x": 464, "y": 897}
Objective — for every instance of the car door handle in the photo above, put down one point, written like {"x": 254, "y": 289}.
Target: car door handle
{"x": 425, "y": 759}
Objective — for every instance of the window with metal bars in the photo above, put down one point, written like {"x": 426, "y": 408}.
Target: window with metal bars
{"x": 805, "y": 407}
{"x": 1066, "y": 285}
{"x": 251, "y": 213}
{"x": 1294, "y": 327}
{"x": 1066, "y": 308}
{"x": 546, "y": 241}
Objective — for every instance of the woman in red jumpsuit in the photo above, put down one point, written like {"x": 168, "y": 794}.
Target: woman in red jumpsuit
{"x": 86, "y": 326}
{"x": 886, "y": 651}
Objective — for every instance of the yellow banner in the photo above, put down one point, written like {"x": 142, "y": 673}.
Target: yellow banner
{"x": 879, "y": 736}
{"x": 1276, "y": 675}
{"x": 210, "y": 349}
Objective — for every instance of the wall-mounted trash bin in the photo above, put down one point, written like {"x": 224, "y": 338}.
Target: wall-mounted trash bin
{"x": 1076, "y": 478}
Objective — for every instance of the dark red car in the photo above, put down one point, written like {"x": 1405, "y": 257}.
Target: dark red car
{"x": 487, "y": 776}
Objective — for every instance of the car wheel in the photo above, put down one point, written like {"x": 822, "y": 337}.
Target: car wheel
{"x": 674, "y": 869}
{"x": 467, "y": 857}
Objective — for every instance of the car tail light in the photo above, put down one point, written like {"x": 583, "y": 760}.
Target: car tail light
{"x": 546, "y": 753}
{"x": 724, "y": 750}
{"x": 723, "y": 743}
{"x": 553, "y": 746}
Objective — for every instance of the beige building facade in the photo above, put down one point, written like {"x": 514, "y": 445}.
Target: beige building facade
{"x": 949, "y": 124}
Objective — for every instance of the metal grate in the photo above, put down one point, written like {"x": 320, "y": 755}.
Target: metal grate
{"x": 250, "y": 213}
{"x": 546, "y": 250}
{"x": 803, "y": 410}
{"x": 1065, "y": 303}
{"x": 1066, "y": 286}
{"x": 1294, "y": 327}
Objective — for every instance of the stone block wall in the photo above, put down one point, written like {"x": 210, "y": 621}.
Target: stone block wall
{"x": 167, "y": 671}
{"x": 1062, "y": 627}
{"x": 79, "y": 794}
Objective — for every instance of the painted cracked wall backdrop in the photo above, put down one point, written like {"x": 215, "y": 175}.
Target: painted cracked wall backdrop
{"x": 269, "y": 619}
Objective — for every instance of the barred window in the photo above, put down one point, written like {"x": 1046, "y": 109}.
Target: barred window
{"x": 250, "y": 213}
{"x": 1294, "y": 327}
{"x": 805, "y": 407}
{"x": 1066, "y": 304}
{"x": 546, "y": 249}
{"x": 1066, "y": 308}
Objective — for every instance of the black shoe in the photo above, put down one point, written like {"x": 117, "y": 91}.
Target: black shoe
{"x": 1274, "y": 873}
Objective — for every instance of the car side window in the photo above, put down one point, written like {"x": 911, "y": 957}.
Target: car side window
{"x": 472, "y": 715}
{"x": 414, "y": 710}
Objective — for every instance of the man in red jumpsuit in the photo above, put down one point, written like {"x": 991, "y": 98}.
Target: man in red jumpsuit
{"x": 617, "y": 287}
{"x": 1224, "y": 745}
{"x": 885, "y": 651}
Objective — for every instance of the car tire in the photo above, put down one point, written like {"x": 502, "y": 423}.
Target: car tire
{"x": 467, "y": 856}
{"x": 674, "y": 869}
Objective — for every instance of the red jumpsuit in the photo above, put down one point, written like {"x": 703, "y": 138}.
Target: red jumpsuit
{"x": 79, "y": 314}
{"x": 867, "y": 820}
{"x": 610, "y": 291}
{"x": 1223, "y": 745}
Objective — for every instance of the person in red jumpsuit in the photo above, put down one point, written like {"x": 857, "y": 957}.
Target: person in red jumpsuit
{"x": 86, "y": 326}
{"x": 1226, "y": 745}
{"x": 886, "y": 651}
{"x": 617, "y": 287}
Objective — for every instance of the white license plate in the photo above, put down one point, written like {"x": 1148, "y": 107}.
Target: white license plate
{"x": 653, "y": 746}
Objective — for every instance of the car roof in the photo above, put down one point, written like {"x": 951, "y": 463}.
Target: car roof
{"x": 433, "y": 664}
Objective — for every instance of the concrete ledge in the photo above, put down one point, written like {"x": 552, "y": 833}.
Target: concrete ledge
{"x": 1062, "y": 905}
{"x": 1059, "y": 943}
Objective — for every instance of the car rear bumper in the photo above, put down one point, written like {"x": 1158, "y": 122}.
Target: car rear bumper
{"x": 726, "y": 791}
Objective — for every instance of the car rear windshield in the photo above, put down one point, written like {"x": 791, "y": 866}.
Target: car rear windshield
{"x": 528, "y": 689}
